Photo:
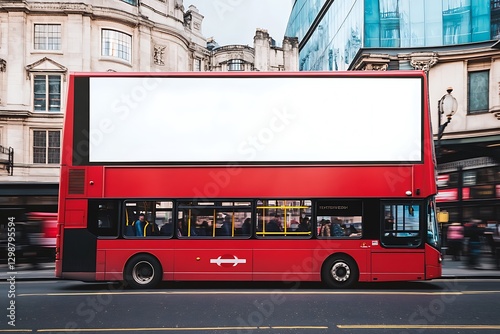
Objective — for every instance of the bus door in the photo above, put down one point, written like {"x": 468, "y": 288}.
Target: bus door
{"x": 401, "y": 253}
{"x": 212, "y": 241}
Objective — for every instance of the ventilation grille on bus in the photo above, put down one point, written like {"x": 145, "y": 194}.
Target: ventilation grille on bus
{"x": 76, "y": 181}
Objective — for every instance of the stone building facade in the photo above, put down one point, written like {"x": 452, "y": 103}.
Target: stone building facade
{"x": 264, "y": 56}
{"x": 41, "y": 42}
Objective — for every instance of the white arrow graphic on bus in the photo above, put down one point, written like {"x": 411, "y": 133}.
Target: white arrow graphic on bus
{"x": 234, "y": 261}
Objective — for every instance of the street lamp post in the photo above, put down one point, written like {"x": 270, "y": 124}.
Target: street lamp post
{"x": 446, "y": 105}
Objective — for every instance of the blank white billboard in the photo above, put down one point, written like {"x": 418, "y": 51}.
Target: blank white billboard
{"x": 255, "y": 120}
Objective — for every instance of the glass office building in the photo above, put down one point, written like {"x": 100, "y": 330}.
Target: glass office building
{"x": 456, "y": 43}
{"x": 331, "y": 32}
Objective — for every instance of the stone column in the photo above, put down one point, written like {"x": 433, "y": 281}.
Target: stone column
{"x": 262, "y": 46}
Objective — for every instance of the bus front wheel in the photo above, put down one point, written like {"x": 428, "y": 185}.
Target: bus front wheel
{"x": 143, "y": 271}
{"x": 340, "y": 271}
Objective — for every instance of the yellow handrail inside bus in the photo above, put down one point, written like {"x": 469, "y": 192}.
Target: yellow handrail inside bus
{"x": 263, "y": 233}
{"x": 214, "y": 224}
{"x": 232, "y": 225}
{"x": 284, "y": 207}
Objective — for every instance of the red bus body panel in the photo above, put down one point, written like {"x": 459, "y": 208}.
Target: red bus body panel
{"x": 262, "y": 260}
{"x": 247, "y": 182}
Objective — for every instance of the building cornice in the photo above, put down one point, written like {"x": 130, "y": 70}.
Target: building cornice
{"x": 132, "y": 18}
{"x": 477, "y": 135}
{"x": 423, "y": 60}
{"x": 8, "y": 114}
{"x": 371, "y": 62}
{"x": 235, "y": 47}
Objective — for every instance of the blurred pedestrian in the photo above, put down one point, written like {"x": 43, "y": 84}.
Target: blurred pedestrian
{"x": 455, "y": 237}
{"x": 474, "y": 233}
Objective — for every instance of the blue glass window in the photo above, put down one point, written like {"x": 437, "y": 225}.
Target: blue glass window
{"x": 389, "y": 23}
{"x": 132, "y": 2}
{"x": 456, "y": 22}
{"x": 495, "y": 19}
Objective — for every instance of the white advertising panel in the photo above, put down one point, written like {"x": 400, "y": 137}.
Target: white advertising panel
{"x": 255, "y": 120}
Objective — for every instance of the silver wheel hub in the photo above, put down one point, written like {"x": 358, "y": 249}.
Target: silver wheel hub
{"x": 340, "y": 272}
{"x": 143, "y": 272}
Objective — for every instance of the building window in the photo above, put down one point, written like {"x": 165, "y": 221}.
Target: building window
{"x": 478, "y": 91}
{"x": 236, "y": 65}
{"x": 389, "y": 24}
{"x": 47, "y": 37}
{"x": 116, "y": 44}
{"x": 46, "y": 146}
{"x": 197, "y": 65}
{"x": 47, "y": 93}
{"x": 456, "y": 22}
{"x": 495, "y": 19}
{"x": 131, "y": 2}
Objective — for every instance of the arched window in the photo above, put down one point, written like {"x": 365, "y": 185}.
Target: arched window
{"x": 236, "y": 65}
{"x": 116, "y": 44}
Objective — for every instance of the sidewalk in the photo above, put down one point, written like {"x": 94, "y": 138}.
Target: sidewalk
{"x": 451, "y": 269}
{"x": 459, "y": 269}
{"x": 27, "y": 272}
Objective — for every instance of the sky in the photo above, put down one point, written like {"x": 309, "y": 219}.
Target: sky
{"x": 235, "y": 21}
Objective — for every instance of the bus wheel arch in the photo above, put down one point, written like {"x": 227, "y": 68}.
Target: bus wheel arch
{"x": 339, "y": 271}
{"x": 143, "y": 271}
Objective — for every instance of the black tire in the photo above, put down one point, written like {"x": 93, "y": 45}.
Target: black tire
{"x": 143, "y": 272}
{"x": 340, "y": 272}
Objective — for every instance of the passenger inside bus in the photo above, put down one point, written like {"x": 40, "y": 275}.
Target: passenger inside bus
{"x": 203, "y": 229}
{"x": 180, "y": 224}
{"x": 274, "y": 225}
{"x": 139, "y": 225}
{"x": 151, "y": 229}
{"x": 304, "y": 225}
{"x": 166, "y": 229}
{"x": 225, "y": 229}
{"x": 245, "y": 227}
{"x": 325, "y": 228}
{"x": 336, "y": 230}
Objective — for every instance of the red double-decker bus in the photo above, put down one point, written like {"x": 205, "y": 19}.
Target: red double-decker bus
{"x": 248, "y": 177}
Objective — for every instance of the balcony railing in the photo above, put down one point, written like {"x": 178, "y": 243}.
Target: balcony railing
{"x": 7, "y": 162}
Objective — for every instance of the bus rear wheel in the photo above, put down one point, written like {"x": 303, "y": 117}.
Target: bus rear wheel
{"x": 143, "y": 272}
{"x": 340, "y": 271}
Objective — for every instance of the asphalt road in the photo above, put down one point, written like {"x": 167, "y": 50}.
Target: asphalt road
{"x": 439, "y": 306}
